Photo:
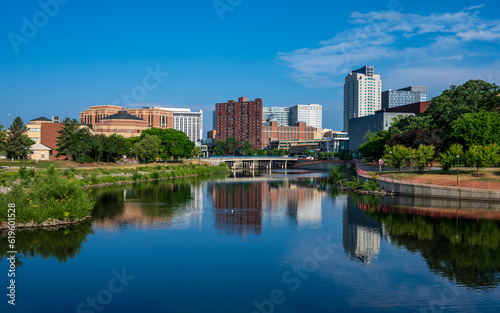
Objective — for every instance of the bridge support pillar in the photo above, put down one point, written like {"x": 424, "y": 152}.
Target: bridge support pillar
{"x": 286, "y": 164}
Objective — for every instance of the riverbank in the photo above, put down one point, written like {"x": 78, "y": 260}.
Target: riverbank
{"x": 426, "y": 188}
{"x": 56, "y": 197}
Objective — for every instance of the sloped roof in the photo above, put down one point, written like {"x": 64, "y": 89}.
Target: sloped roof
{"x": 39, "y": 146}
{"x": 42, "y": 119}
{"x": 122, "y": 115}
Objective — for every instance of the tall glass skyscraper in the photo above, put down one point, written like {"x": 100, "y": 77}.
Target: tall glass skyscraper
{"x": 362, "y": 94}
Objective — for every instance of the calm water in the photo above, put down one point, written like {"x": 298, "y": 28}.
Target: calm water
{"x": 261, "y": 244}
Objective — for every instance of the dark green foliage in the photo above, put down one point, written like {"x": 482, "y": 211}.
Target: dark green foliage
{"x": 472, "y": 97}
{"x": 232, "y": 145}
{"x": 279, "y": 152}
{"x": 47, "y": 196}
{"x": 374, "y": 145}
{"x": 219, "y": 148}
{"x": 481, "y": 128}
{"x": 173, "y": 143}
{"x": 17, "y": 144}
{"x": 246, "y": 148}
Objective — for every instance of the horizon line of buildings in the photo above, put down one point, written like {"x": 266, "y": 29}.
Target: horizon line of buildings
{"x": 366, "y": 108}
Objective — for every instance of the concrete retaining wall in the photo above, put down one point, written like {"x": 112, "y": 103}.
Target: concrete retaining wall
{"x": 432, "y": 191}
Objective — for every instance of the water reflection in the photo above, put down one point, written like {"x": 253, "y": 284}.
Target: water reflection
{"x": 456, "y": 243}
{"x": 175, "y": 205}
{"x": 361, "y": 233}
{"x": 60, "y": 243}
{"x": 241, "y": 205}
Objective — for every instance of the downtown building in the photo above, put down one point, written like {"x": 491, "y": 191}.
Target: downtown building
{"x": 309, "y": 114}
{"x": 240, "y": 119}
{"x": 188, "y": 122}
{"x": 111, "y": 119}
{"x": 362, "y": 94}
{"x": 395, "y": 98}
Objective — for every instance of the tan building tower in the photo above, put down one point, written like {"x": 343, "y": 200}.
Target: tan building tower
{"x": 362, "y": 94}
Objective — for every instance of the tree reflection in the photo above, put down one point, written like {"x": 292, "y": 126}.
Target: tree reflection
{"x": 464, "y": 251}
{"x": 62, "y": 243}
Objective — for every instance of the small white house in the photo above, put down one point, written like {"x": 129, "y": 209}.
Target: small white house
{"x": 40, "y": 152}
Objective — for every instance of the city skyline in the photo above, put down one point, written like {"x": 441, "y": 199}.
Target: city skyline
{"x": 66, "y": 64}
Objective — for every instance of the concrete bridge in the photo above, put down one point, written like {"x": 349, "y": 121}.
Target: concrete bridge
{"x": 253, "y": 162}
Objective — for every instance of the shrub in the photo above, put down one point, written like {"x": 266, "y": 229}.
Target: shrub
{"x": 48, "y": 196}
{"x": 354, "y": 183}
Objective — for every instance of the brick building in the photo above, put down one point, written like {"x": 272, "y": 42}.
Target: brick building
{"x": 49, "y": 134}
{"x": 154, "y": 117}
{"x": 121, "y": 123}
{"x": 241, "y": 120}
{"x": 273, "y": 132}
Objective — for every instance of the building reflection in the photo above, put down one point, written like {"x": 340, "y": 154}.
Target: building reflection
{"x": 240, "y": 208}
{"x": 294, "y": 201}
{"x": 361, "y": 234}
{"x": 164, "y": 205}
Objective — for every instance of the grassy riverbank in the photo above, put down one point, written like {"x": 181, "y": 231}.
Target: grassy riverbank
{"x": 57, "y": 194}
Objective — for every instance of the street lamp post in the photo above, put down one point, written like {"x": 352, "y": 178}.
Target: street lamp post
{"x": 390, "y": 153}
{"x": 458, "y": 158}
{"x": 25, "y": 155}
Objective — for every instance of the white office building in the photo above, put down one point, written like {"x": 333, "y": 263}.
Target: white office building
{"x": 362, "y": 94}
{"x": 190, "y": 123}
{"x": 311, "y": 114}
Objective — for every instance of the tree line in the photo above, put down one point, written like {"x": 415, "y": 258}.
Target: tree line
{"x": 466, "y": 116}
{"x": 79, "y": 144}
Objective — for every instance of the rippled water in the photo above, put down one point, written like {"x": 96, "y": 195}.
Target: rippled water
{"x": 271, "y": 243}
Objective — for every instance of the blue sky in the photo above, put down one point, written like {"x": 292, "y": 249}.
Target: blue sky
{"x": 286, "y": 51}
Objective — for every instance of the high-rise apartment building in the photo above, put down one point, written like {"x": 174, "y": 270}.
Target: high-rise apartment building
{"x": 190, "y": 123}
{"x": 241, "y": 120}
{"x": 310, "y": 114}
{"x": 362, "y": 94}
{"x": 395, "y": 98}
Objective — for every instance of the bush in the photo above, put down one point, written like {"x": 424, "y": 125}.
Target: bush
{"x": 354, "y": 183}
{"x": 26, "y": 173}
{"x": 372, "y": 183}
{"x": 48, "y": 196}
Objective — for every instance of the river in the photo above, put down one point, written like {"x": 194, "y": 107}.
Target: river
{"x": 269, "y": 243}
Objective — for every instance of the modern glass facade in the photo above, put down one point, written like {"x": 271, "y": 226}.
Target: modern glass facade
{"x": 395, "y": 98}
{"x": 277, "y": 114}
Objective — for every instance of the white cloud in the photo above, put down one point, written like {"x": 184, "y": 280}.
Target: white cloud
{"x": 375, "y": 38}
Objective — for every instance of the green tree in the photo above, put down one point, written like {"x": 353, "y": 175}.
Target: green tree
{"x": 260, "y": 152}
{"x": 197, "y": 152}
{"x": 483, "y": 156}
{"x": 113, "y": 147}
{"x": 472, "y": 97}
{"x": 246, "y": 148}
{"x": 232, "y": 145}
{"x": 148, "y": 149}
{"x": 219, "y": 148}
{"x": 480, "y": 128}
{"x": 449, "y": 157}
{"x": 374, "y": 144}
{"x": 17, "y": 144}
{"x": 174, "y": 143}
{"x": 67, "y": 141}
{"x": 422, "y": 156}
{"x": 3, "y": 136}
{"x": 397, "y": 156}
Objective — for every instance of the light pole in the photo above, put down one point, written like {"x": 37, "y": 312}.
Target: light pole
{"x": 25, "y": 155}
{"x": 390, "y": 153}
{"x": 458, "y": 158}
